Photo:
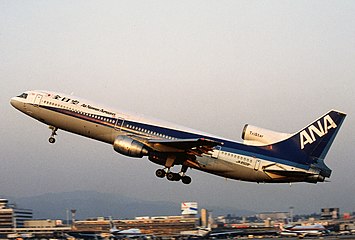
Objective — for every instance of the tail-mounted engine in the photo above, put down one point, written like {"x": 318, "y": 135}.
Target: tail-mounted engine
{"x": 257, "y": 136}
{"x": 130, "y": 147}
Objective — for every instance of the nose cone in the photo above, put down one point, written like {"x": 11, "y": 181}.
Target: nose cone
{"x": 12, "y": 102}
{"x": 15, "y": 103}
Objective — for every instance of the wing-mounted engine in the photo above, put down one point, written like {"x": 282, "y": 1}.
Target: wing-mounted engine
{"x": 130, "y": 147}
{"x": 257, "y": 136}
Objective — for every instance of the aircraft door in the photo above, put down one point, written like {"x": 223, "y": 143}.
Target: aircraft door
{"x": 216, "y": 151}
{"x": 257, "y": 164}
{"x": 119, "y": 124}
{"x": 38, "y": 99}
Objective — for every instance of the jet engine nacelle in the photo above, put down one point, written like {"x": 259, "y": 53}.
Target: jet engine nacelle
{"x": 257, "y": 136}
{"x": 129, "y": 147}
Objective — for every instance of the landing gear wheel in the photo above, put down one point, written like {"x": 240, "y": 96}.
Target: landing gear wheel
{"x": 54, "y": 132}
{"x": 177, "y": 177}
{"x": 173, "y": 176}
{"x": 170, "y": 176}
{"x": 51, "y": 140}
{"x": 186, "y": 179}
{"x": 160, "y": 173}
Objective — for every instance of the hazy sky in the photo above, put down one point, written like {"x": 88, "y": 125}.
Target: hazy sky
{"x": 208, "y": 65}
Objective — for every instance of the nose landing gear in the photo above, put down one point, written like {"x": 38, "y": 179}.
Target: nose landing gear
{"x": 54, "y": 133}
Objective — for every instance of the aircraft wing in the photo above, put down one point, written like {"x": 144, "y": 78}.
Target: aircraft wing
{"x": 196, "y": 146}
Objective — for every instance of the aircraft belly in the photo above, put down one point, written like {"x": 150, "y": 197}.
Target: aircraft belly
{"x": 75, "y": 125}
{"x": 231, "y": 170}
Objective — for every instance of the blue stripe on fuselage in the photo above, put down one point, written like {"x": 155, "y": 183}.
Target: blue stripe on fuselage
{"x": 264, "y": 152}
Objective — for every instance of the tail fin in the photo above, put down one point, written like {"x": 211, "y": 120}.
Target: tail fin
{"x": 311, "y": 144}
{"x": 317, "y": 138}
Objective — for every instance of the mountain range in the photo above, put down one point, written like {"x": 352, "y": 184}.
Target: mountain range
{"x": 91, "y": 204}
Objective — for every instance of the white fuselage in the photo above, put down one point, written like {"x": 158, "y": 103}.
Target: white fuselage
{"x": 231, "y": 160}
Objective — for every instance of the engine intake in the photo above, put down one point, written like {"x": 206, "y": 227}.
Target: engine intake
{"x": 129, "y": 147}
{"x": 257, "y": 136}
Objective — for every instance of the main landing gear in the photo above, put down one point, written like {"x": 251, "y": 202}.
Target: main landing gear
{"x": 54, "y": 132}
{"x": 171, "y": 176}
{"x": 168, "y": 164}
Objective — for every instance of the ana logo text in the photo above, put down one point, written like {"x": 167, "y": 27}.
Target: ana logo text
{"x": 308, "y": 137}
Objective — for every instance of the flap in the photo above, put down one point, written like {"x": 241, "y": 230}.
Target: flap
{"x": 195, "y": 146}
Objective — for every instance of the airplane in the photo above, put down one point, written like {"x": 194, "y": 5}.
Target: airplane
{"x": 302, "y": 231}
{"x": 132, "y": 233}
{"x": 20, "y": 235}
{"x": 198, "y": 233}
{"x": 207, "y": 233}
{"x": 84, "y": 235}
{"x": 264, "y": 156}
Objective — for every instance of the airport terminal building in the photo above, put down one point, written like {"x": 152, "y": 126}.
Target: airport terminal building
{"x": 11, "y": 216}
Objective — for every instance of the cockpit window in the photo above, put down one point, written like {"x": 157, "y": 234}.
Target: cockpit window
{"x": 23, "y": 95}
